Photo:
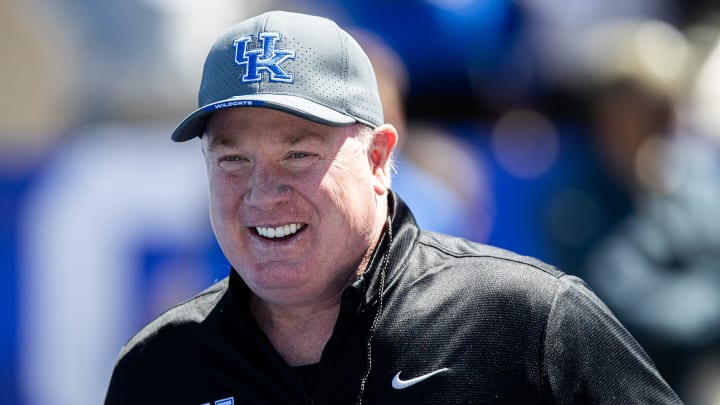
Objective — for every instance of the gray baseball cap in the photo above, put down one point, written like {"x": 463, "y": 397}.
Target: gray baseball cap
{"x": 296, "y": 63}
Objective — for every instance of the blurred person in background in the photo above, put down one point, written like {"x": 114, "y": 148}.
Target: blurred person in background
{"x": 441, "y": 202}
{"x": 659, "y": 268}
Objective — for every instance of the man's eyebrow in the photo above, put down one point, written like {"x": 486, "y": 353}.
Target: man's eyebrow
{"x": 300, "y": 136}
{"x": 220, "y": 140}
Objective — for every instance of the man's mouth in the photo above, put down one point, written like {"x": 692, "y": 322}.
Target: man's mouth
{"x": 276, "y": 232}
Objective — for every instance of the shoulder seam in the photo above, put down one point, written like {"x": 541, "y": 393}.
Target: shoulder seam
{"x": 490, "y": 256}
{"x": 543, "y": 352}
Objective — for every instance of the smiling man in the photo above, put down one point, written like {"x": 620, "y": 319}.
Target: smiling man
{"x": 295, "y": 206}
{"x": 335, "y": 295}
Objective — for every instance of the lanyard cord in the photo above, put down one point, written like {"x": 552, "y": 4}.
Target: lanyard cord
{"x": 376, "y": 319}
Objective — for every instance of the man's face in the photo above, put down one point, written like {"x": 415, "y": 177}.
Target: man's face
{"x": 292, "y": 202}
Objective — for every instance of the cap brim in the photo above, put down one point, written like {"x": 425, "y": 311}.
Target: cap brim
{"x": 193, "y": 125}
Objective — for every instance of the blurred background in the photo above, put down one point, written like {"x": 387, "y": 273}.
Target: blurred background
{"x": 582, "y": 132}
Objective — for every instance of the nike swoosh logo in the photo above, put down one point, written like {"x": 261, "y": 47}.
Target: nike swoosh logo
{"x": 400, "y": 384}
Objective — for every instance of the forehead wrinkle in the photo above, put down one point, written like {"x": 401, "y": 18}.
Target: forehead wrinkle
{"x": 296, "y": 137}
{"x": 224, "y": 132}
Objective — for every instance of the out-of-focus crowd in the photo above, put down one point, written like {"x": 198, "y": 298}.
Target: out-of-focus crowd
{"x": 586, "y": 133}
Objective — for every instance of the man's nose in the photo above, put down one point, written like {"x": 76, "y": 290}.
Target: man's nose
{"x": 266, "y": 188}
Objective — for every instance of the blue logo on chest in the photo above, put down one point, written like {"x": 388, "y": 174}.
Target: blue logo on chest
{"x": 266, "y": 59}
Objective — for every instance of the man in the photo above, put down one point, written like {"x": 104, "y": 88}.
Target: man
{"x": 336, "y": 296}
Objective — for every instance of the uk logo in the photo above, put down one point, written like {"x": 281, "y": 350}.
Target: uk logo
{"x": 226, "y": 401}
{"x": 266, "y": 59}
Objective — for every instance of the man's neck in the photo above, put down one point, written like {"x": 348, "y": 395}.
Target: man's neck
{"x": 299, "y": 334}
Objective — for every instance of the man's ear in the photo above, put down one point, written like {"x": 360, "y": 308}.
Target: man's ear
{"x": 385, "y": 138}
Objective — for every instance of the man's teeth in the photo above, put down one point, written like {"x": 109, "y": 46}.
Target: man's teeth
{"x": 279, "y": 231}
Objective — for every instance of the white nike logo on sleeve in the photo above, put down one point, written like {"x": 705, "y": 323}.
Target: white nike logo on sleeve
{"x": 400, "y": 384}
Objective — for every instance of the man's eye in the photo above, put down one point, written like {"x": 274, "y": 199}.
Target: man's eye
{"x": 298, "y": 155}
{"x": 231, "y": 158}
{"x": 231, "y": 162}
